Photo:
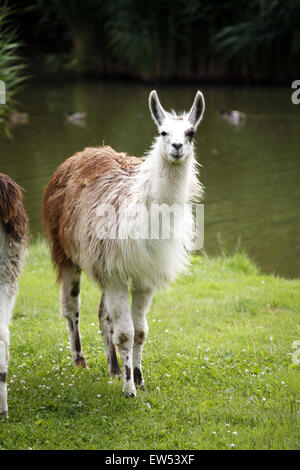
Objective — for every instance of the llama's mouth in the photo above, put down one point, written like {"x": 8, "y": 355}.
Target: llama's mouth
{"x": 176, "y": 157}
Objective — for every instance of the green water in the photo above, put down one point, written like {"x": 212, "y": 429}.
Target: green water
{"x": 251, "y": 172}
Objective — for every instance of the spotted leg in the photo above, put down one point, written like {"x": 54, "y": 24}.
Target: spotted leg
{"x": 107, "y": 331}
{"x": 7, "y": 300}
{"x": 117, "y": 305}
{"x": 141, "y": 301}
{"x": 70, "y": 304}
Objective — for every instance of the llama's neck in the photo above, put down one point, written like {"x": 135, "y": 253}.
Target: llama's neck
{"x": 167, "y": 183}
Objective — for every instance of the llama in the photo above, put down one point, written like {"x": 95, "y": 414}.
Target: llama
{"x": 74, "y": 227}
{"x": 13, "y": 242}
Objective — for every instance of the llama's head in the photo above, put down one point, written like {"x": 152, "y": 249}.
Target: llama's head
{"x": 176, "y": 132}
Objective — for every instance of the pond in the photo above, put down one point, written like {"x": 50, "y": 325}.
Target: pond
{"x": 251, "y": 171}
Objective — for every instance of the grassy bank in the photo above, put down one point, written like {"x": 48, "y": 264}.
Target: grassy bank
{"x": 217, "y": 362}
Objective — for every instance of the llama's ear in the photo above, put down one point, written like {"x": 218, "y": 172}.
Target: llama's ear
{"x": 157, "y": 111}
{"x": 197, "y": 110}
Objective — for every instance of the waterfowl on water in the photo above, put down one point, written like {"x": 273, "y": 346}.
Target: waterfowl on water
{"x": 18, "y": 118}
{"x": 232, "y": 116}
{"x": 76, "y": 118}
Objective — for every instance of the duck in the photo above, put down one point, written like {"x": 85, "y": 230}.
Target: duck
{"x": 233, "y": 116}
{"x": 18, "y": 118}
{"x": 75, "y": 118}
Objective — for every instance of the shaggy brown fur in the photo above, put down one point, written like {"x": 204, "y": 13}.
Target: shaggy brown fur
{"x": 63, "y": 193}
{"x": 12, "y": 212}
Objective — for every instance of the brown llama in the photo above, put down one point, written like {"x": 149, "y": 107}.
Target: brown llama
{"x": 13, "y": 242}
{"x": 95, "y": 205}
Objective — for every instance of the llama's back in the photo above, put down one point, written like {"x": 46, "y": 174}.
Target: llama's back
{"x": 73, "y": 182}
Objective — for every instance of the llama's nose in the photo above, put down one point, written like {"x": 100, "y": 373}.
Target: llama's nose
{"x": 177, "y": 146}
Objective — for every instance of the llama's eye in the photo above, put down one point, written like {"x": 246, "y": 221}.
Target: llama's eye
{"x": 190, "y": 134}
{"x": 163, "y": 133}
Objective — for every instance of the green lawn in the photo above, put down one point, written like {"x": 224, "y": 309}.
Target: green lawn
{"x": 217, "y": 363}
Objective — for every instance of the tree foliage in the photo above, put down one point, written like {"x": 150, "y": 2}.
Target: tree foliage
{"x": 11, "y": 66}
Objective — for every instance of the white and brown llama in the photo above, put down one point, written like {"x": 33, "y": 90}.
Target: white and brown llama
{"x": 13, "y": 241}
{"x": 74, "y": 226}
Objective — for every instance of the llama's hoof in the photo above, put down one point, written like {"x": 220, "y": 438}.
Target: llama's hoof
{"x": 130, "y": 395}
{"x": 129, "y": 390}
{"x": 80, "y": 361}
{"x": 115, "y": 375}
{"x": 4, "y": 414}
{"x": 140, "y": 385}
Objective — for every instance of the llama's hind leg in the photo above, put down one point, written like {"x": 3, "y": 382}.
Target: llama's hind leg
{"x": 106, "y": 326}
{"x": 117, "y": 305}
{"x": 70, "y": 304}
{"x": 7, "y": 300}
{"x": 140, "y": 304}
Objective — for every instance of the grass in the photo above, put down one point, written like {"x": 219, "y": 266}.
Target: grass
{"x": 217, "y": 363}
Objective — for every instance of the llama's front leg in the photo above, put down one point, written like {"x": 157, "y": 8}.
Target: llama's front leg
{"x": 70, "y": 304}
{"x": 117, "y": 304}
{"x": 106, "y": 326}
{"x": 141, "y": 301}
{"x": 7, "y": 300}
